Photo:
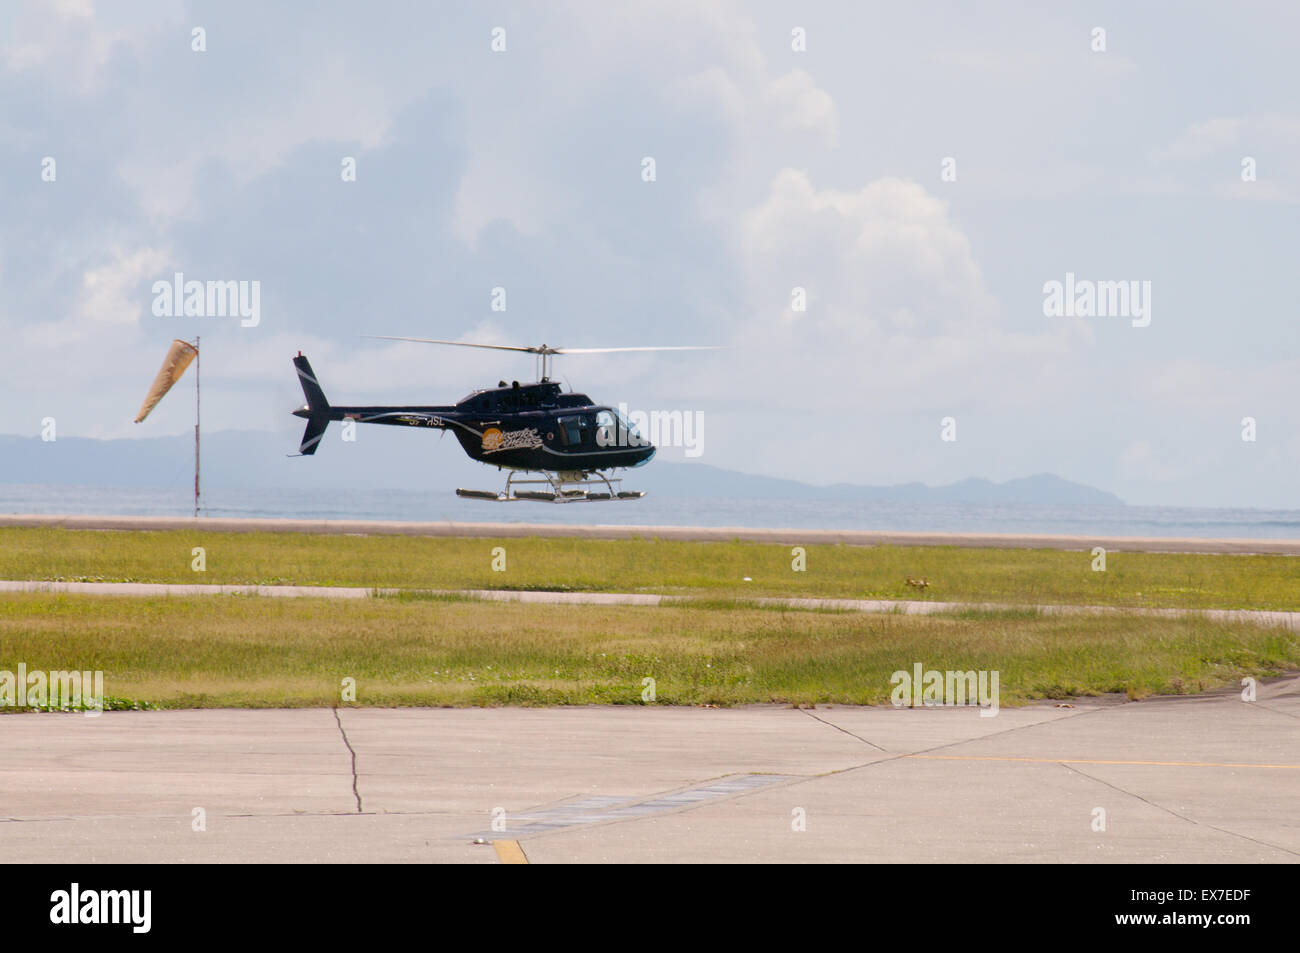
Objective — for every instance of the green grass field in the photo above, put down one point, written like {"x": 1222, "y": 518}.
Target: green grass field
{"x": 417, "y": 649}
{"x": 710, "y": 570}
{"x": 261, "y": 652}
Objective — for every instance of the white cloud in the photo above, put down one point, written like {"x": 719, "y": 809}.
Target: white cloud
{"x": 109, "y": 293}
{"x": 801, "y": 107}
{"x": 863, "y": 256}
{"x": 900, "y": 324}
{"x": 68, "y": 42}
{"x": 1211, "y": 136}
{"x": 106, "y": 304}
{"x": 675, "y": 63}
{"x": 1207, "y": 157}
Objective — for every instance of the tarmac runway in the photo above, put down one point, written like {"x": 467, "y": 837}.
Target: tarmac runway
{"x": 1203, "y": 779}
{"x": 1149, "y": 544}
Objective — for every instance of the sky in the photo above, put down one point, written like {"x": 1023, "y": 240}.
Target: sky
{"x": 865, "y": 203}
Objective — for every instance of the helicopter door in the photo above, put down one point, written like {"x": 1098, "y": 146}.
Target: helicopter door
{"x": 575, "y": 431}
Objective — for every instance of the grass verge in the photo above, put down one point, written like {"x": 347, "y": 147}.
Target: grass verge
{"x": 258, "y": 652}
{"x": 712, "y": 570}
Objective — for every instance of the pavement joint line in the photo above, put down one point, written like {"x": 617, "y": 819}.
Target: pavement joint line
{"x": 351, "y": 751}
{"x": 914, "y": 755}
{"x": 1069, "y": 766}
{"x": 1285, "y": 619}
{"x": 509, "y": 852}
{"x": 951, "y": 744}
{"x": 1276, "y": 711}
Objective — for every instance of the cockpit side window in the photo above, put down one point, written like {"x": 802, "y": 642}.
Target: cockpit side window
{"x": 573, "y": 430}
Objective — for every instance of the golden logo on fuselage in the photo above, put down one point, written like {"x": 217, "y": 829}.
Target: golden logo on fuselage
{"x": 494, "y": 441}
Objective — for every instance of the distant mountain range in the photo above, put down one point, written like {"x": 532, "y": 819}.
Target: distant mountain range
{"x": 392, "y": 460}
{"x": 696, "y": 479}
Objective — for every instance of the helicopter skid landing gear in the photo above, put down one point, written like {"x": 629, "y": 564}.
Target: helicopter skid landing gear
{"x": 566, "y": 487}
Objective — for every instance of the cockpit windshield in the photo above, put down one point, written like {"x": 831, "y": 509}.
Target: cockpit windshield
{"x": 615, "y": 430}
{"x": 628, "y": 426}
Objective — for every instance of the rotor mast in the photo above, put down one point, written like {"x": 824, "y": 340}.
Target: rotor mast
{"x": 544, "y": 355}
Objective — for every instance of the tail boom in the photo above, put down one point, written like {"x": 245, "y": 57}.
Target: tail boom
{"x": 318, "y": 412}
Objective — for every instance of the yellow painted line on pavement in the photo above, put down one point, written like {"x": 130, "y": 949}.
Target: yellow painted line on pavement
{"x": 509, "y": 852}
{"x": 1167, "y": 764}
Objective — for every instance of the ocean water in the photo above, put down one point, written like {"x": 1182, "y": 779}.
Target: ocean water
{"x": 442, "y": 505}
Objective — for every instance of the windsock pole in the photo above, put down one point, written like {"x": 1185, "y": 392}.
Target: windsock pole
{"x": 198, "y": 367}
{"x": 179, "y": 356}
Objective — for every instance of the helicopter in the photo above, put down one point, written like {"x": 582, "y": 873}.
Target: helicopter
{"x": 573, "y": 443}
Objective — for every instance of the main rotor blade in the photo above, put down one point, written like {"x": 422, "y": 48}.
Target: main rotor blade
{"x": 494, "y": 347}
{"x": 543, "y": 349}
{"x": 611, "y": 350}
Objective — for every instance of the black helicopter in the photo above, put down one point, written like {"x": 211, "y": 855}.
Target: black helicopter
{"x": 524, "y": 428}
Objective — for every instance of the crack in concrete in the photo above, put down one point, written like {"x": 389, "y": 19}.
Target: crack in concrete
{"x": 351, "y": 751}
{"x": 845, "y": 730}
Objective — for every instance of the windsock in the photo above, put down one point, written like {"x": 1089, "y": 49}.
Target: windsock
{"x": 178, "y": 358}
